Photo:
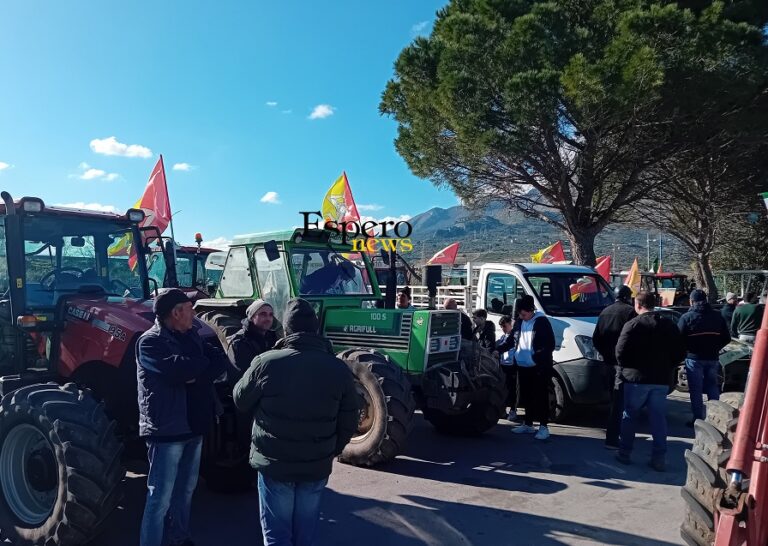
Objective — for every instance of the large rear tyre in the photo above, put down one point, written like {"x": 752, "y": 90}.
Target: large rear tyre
{"x": 386, "y": 419}
{"x": 482, "y": 414}
{"x": 707, "y": 462}
{"x": 60, "y": 468}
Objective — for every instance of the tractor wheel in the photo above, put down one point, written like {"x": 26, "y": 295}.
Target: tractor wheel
{"x": 60, "y": 468}
{"x": 707, "y": 462}
{"x": 386, "y": 418}
{"x": 481, "y": 415}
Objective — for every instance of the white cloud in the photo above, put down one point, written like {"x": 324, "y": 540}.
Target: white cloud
{"x": 92, "y": 174}
{"x": 4, "y": 165}
{"x": 182, "y": 167}
{"x": 88, "y": 206}
{"x": 271, "y": 103}
{"x": 371, "y": 207}
{"x": 271, "y": 197}
{"x": 322, "y": 111}
{"x": 219, "y": 243}
{"x": 110, "y": 146}
{"x": 420, "y": 27}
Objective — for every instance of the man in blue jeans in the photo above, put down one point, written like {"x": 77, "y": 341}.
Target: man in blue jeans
{"x": 175, "y": 372}
{"x": 305, "y": 410}
{"x": 706, "y": 333}
{"x": 648, "y": 352}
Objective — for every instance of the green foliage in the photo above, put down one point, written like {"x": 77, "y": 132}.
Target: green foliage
{"x": 563, "y": 108}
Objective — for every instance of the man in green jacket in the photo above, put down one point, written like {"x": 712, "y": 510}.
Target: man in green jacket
{"x": 305, "y": 410}
{"x": 747, "y": 319}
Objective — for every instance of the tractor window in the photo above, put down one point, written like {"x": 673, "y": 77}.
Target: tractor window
{"x": 502, "y": 290}
{"x": 156, "y": 267}
{"x": 274, "y": 284}
{"x": 184, "y": 271}
{"x": 326, "y": 272}
{"x": 236, "y": 279}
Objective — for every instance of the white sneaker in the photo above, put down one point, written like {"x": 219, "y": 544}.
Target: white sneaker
{"x": 523, "y": 429}
{"x": 542, "y": 434}
{"x": 512, "y": 416}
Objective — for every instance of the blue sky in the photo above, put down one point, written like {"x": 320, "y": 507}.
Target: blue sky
{"x": 227, "y": 88}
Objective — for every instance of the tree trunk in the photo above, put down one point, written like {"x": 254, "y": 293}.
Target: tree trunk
{"x": 704, "y": 277}
{"x": 583, "y": 248}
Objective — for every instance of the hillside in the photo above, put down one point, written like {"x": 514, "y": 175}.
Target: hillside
{"x": 497, "y": 234}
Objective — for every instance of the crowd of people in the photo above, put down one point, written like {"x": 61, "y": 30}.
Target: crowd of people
{"x": 274, "y": 371}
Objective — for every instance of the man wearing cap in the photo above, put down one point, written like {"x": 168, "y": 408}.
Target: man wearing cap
{"x": 607, "y": 331}
{"x": 255, "y": 337}
{"x": 730, "y": 306}
{"x": 705, "y": 333}
{"x": 175, "y": 372}
{"x": 305, "y": 410}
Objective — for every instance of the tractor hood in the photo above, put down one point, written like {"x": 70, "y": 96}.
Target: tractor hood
{"x": 106, "y": 328}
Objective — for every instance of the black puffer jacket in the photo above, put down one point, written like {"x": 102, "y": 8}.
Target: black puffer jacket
{"x": 705, "y": 332}
{"x": 649, "y": 349}
{"x": 245, "y": 345}
{"x": 609, "y": 325}
{"x": 304, "y": 407}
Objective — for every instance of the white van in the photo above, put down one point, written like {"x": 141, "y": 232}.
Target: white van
{"x": 572, "y": 297}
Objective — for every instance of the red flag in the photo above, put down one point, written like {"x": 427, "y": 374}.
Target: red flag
{"x": 552, "y": 254}
{"x": 446, "y": 256}
{"x": 603, "y": 267}
{"x": 155, "y": 202}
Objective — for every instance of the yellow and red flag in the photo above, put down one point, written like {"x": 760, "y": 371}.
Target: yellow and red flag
{"x": 603, "y": 267}
{"x": 447, "y": 256}
{"x": 157, "y": 210}
{"x": 633, "y": 278}
{"x": 339, "y": 205}
{"x": 553, "y": 253}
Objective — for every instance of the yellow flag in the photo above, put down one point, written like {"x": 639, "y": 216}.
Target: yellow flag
{"x": 338, "y": 205}
{"x": 633, "y": 278}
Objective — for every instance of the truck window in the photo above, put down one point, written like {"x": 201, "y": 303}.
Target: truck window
{"x": 501, "y": 289}
{"x": 3, "y": 262}
{"x": 571, "y": 294}
{"x": 236, "y": 279}
{"x": 274, "y": 284}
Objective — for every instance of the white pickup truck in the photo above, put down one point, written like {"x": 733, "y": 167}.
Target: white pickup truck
{"x": 572, "y": 297}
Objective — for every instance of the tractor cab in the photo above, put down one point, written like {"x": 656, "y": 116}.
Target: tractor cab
{"x": 52, "y": 258}
{"x": 189, "y": 271}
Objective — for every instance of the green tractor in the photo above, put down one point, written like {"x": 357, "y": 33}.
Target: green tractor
{"x": 401, "y": 358}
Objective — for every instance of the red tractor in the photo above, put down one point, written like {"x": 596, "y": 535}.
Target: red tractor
{"x": 75, "y": 297}
{"x": 726, "y": 489}
{"x": 189, "y": 273}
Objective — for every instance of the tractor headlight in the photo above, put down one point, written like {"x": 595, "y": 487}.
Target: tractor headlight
{"x": 587, "y": 348}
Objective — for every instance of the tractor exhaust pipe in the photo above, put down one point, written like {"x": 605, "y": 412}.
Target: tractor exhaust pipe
{"x": 10, "y": 208}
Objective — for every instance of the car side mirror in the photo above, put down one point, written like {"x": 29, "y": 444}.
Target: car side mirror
{"x": 271, "y": 250}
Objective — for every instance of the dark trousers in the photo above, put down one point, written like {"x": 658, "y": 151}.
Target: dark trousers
{"x": 510, "y": 375}
{"x": 613, "y": 428}
{"x": 533, "y": 384}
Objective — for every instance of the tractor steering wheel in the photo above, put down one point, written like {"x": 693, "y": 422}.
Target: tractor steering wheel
{"x": 52, "y": 274}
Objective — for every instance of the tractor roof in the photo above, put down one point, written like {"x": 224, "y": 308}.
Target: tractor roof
{"x": 287, "y": 235}
{"x": 67, "y": 211}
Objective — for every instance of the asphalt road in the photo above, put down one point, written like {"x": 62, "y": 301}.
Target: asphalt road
{"x": 499, "y": 489}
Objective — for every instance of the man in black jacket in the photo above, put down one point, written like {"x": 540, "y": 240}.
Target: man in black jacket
{"x": 175, "y": 372}
{"x": 255, "y": 337}
{"x": 305, "y": 410}
{"x": 705, "y": 334}
{"x": 609, "y": 325}
{"x": 648, "y": 352}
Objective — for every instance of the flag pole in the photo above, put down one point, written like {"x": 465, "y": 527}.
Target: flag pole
{"x": 168, "y": 200}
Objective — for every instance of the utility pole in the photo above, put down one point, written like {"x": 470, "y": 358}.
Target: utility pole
{"x": 648, "y": 249}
